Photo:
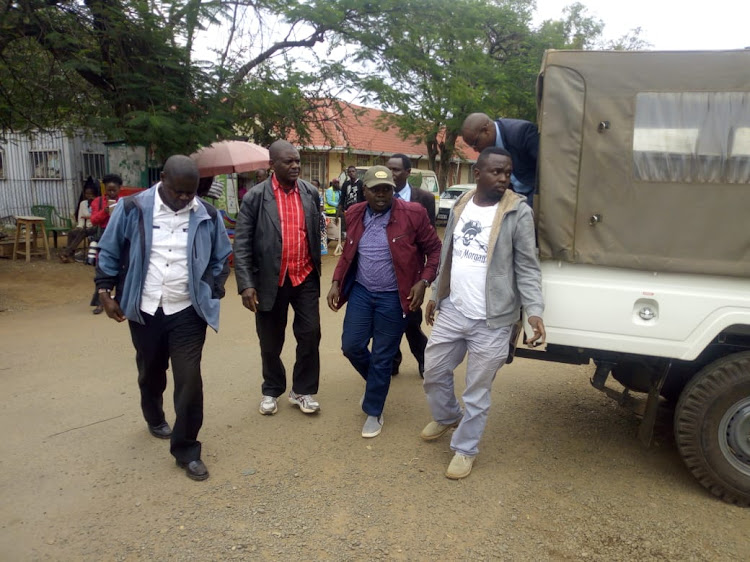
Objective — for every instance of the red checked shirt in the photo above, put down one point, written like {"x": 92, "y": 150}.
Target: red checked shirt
{"x": 295, "y": 251}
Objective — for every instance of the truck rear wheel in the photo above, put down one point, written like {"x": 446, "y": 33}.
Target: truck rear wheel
{"x": 712, "y": 427}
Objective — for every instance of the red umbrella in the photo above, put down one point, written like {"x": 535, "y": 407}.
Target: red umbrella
{"x": 226, "y": 157}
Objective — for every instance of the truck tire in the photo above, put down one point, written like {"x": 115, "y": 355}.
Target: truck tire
{"x": 712, "y": 427}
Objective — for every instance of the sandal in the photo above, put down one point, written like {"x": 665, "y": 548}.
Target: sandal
{"x": 98, "y": 310}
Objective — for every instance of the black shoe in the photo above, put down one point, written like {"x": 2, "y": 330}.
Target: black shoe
{"x": 195, "y": 470}
{"x": 421, "y": 370}
{"x": 162, "y": 431}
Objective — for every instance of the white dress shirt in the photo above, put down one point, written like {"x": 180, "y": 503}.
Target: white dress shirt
{"x": 166, "y": 283}
{"x": 405, "y": 193}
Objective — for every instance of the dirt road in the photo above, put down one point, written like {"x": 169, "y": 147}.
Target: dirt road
{"x": 561, "y": 474}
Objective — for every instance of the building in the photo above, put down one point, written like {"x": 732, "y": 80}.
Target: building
{"x": 47, "y": 169}
{"x": 351, "y": 135}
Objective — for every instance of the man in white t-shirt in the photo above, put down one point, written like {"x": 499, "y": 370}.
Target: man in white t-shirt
{"x": 488, "y": 270}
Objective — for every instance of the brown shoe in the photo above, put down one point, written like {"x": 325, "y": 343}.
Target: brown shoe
{"x": 64, "y": 258}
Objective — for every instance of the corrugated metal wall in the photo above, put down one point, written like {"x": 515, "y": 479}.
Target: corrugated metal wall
{"x": 18, "y": 191}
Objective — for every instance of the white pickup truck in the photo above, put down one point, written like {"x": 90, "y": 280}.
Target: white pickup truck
{"x": 643, "y": 216}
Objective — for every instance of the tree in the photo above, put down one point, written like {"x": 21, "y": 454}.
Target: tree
{"x": 126, "y": 67}
{"x": 439, "y": 61}
{"x": 129, "y": 67}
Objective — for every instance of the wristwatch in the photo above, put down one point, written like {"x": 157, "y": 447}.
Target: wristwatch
{"x": 100, "y": 291}
{"x": 426, "y": 283}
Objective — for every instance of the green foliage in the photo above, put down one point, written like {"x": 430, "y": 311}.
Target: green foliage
{"x": 126, "y": 67}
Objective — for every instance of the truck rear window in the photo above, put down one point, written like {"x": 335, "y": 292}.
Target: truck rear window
{"x": 692, "y": 137}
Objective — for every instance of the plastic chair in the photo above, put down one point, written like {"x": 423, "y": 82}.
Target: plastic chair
{"x": 48, "y": 212}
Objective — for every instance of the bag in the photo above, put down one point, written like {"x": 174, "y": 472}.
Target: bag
{"x": 92, "y": 252}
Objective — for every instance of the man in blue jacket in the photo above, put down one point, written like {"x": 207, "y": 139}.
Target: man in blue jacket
{"x": 520, "y": 138}
{"x": 165, "y": 251}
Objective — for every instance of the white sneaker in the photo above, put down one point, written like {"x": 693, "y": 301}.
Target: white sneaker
{"x": 373, "y": 426}
{"x": 460, "y": 467}
{"x": 306, "y": 402}
{"x": 268, "y": 406}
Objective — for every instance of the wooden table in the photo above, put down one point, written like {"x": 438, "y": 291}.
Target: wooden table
{"x": 31, "y": 224}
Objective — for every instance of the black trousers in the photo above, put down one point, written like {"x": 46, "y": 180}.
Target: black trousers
{"x": 416, "y": 338}
{"x": 271, "y": 328}
{"x": 178, "y": 337}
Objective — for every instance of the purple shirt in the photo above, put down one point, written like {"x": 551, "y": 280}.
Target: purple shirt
{"x": 375, "y": 265}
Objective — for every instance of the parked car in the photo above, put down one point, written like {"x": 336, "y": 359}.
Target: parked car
{"x": 448, "y": 199}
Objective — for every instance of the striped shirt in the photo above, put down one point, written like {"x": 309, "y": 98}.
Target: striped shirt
{"x": 295, "y": 250}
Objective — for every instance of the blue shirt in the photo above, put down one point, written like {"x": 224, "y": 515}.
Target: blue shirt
{"x": 375, "y": 265}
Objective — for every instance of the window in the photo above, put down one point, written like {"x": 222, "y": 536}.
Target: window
{"x": 313, "y": 167}
{"x": 363, "y": 160}
{"x": 2, "y": 166}
{"x": 93, "y": 165}
{"x": 692, "y": 137}
{"x": 154, "y": 175}
{"x": 46, "y": 165}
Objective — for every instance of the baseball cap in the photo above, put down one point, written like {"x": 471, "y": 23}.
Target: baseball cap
{"x": 378, "y": 175}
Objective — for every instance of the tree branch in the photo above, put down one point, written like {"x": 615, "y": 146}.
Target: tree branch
{"x": 246, "y": 68}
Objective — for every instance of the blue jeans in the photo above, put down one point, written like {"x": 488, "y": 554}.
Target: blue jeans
{"x": 377, "y": 317}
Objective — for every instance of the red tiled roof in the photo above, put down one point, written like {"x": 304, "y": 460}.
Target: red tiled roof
{"x": 359, "y": 129}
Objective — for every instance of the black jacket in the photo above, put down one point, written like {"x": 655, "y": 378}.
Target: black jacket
{"x": 257, "y": 239}
{"x": 521, "y": 139}
{"x": 426, "y": 199}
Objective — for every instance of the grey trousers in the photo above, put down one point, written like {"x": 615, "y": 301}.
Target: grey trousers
{"x": 452, "y": 336}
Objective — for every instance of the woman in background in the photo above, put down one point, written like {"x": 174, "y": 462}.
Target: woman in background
{"x": 84, "y": 227}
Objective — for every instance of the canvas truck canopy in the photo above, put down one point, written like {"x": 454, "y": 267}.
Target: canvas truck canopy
{"x": 644, "y": 160}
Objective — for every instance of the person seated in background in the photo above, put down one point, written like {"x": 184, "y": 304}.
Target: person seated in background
{"x": 84, "y": 227}
{"x": 101, "y": 209}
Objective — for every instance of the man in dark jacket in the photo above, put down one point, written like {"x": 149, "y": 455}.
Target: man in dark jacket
{"x": 277, "y": 264}
{"x": 400, "y": 167}
{"x": 383, "y": 274}
{"x": 519, "y": 137}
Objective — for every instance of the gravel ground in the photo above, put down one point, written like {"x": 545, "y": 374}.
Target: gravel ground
{"x": 561, "y": 474}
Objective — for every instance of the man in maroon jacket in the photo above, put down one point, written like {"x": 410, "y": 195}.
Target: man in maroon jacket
{"x": 383, "y": 274}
